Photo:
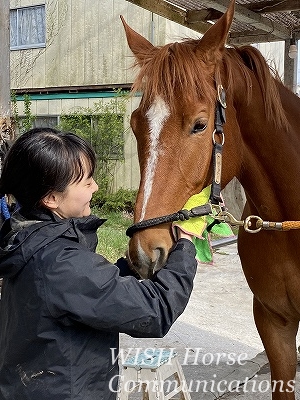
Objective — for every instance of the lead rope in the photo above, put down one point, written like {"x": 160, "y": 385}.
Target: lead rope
{"x": 288, "y": 225}
{"x": 254, "y": 224}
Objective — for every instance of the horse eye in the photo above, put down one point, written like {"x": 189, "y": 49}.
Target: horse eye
{"x": 199, "y": 126}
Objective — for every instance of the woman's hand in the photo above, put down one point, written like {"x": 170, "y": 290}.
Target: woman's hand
{"x": 183, "y": 235}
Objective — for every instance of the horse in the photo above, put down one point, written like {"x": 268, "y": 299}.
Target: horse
{"x": 206, "y": 104}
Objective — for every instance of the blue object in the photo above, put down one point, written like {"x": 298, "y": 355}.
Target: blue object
{"x": 4, "y": 209}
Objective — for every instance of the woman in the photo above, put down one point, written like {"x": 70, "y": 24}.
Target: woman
{"x": 62, "y": 305}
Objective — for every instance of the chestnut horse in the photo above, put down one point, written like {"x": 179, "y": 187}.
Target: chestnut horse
{"x": 174, "y": 126}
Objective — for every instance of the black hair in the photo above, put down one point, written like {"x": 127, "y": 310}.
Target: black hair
{"x": 43, "y": 160}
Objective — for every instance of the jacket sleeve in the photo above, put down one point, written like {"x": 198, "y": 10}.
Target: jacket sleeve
{"x": 85, "y": 288}
{"x": 124, "y": 269}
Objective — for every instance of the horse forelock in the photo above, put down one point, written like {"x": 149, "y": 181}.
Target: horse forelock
{"x": 171, "y": 69}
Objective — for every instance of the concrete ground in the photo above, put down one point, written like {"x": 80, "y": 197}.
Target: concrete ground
{"x": 215, "y": 338}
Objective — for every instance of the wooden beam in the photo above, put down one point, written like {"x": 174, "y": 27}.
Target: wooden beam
{"x": 273, "y": 6}
{"x": 206, "y": 14}
{"x": 249, "y": 37}
{"x": 178, "y": 14}
{"x": 171, "y": 12}
{"x": 246, "y": 16}
{"x": 162, "y": 8}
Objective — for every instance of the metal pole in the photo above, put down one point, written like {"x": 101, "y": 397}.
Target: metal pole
{"x": 6, "y": 131}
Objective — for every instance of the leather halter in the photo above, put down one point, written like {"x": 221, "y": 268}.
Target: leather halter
{"x": 215, "y": 194}
{"x": 251, "y": 224}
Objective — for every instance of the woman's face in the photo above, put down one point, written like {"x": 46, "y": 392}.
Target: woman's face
{"x": 75, "y": 200}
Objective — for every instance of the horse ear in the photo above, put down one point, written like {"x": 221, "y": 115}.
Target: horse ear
{"x": 215, "y": 38}
{"x": 137, "y": 43}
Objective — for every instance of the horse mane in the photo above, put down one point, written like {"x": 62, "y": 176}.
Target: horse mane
{"x": 176, "y": 67}
{"x": 249, "y": 60}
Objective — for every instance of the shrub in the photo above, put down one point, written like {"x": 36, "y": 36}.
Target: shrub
{"x": 102, "y": 126}
{"x": 122, "y": 200}
{"x": 98, "y": 199}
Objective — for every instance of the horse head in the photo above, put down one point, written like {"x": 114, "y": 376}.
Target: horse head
{"x": 174, "y": 126}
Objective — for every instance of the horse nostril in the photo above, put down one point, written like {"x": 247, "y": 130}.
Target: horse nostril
{"x": 159, "y": 258}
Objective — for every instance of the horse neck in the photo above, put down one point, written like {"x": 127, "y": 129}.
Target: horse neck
{"x": 270, "y": 164}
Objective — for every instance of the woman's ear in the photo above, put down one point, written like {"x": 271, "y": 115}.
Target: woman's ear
{"x": 51, "y": 201}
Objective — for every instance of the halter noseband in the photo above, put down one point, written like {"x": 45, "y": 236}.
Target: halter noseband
{"x": 215, "y": 194}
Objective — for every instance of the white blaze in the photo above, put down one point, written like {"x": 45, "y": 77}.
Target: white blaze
{"x": 156, "y": 115}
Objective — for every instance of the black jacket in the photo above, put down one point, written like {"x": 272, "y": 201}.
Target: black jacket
{"x": 63, "y": 306}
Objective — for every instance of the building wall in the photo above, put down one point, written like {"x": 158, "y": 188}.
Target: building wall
{"x": 274, "y": 55}
{"x": 86, "y": 45}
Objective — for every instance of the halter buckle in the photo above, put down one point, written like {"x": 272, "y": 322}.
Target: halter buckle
{"x": 216, "y": 210}
{"x": 221, "y": 96}
{"x": 221, "y": 135}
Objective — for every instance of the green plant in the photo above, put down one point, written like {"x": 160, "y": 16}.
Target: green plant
{"x": 122, "y": 200}
{"x": 14, "y": 107}
{"x": 103, "y": 127}
{"x": 98, "y": 199}
{"x": 112, "y": 240}
{"x": 25, "y": 123}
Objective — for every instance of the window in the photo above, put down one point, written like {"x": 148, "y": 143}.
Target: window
{"x": 27, "y": 27}
{"x": 23, "y": 125}
{"x": 46, "y": 121}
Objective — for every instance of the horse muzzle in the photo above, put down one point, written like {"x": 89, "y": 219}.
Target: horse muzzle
{"x": 148, "y": 251}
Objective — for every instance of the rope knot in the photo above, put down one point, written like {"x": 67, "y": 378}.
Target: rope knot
{"x": 183, "y": 215}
